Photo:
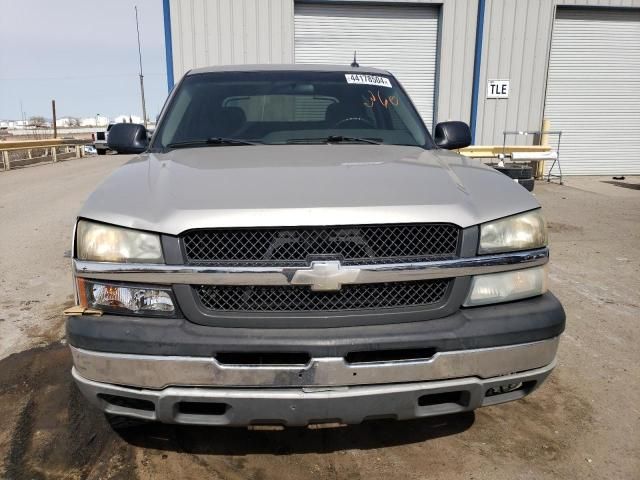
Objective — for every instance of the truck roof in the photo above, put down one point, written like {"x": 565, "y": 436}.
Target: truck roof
{"x": 298, "y": 67}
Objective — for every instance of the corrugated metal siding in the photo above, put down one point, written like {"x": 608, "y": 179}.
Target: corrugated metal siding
{"x": 599, "y": 3}
{"x": 514, "y": 47}
{"x": 517, "y": 37}
{"x": 221, "y": 32}
{"x": 455, "y": 61}
{"x": 457, "y": 47}
{"x": 402, "y": 39}
{"x": 593, "y": 90}
{"x": 216, "y": 32}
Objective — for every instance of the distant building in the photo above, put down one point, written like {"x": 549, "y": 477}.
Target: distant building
{"x": 97, "y": 121}
{"x": 66, "y": 122}
{"x": 127, "y": 119}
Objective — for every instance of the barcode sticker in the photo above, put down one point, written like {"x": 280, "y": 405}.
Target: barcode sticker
{"x": 362, "y": 79}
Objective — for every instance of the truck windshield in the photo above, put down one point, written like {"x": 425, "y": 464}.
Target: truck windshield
{"x": 289, "y": 107}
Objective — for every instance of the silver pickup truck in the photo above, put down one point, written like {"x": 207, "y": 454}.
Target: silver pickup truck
{"x": 292, "y": 247}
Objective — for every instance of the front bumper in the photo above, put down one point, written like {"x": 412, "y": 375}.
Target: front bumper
{"x": 166, "y": 369}
{"x": 194, "y": 390}
{"x": 157, "y": 372}
{"x": 310, "y": 405}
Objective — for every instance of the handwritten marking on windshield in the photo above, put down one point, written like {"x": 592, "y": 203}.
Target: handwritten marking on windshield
{"x": 381, "y": 99}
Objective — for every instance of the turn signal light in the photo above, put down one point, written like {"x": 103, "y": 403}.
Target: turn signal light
{"x": 126, "y": 299}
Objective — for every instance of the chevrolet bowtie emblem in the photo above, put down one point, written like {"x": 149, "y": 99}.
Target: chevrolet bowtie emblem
{"x": 325, "y": 276}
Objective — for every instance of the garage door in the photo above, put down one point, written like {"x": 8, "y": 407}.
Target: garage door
{"x": 593, "y": 90}
{"x": 401, "y": 39}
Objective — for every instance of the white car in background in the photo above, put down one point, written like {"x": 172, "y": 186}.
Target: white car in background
{"x": 100, "y": 140}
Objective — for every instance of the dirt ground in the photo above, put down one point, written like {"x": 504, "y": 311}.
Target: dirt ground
{"x": 583, "y": 423}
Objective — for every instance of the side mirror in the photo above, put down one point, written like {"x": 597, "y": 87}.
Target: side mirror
{"x": 452, "y": 135}
{"x": 128, "y": 138}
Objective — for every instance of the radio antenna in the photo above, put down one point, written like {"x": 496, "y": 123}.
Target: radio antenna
{"x": 354, "y": 64}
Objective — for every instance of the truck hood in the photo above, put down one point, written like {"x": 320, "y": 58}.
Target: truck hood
{"x": 288, "y": 185}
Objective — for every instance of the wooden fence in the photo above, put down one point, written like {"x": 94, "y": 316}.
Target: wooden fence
{"x": 22, "y": 153}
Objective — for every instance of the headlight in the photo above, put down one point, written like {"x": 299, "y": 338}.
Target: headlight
{"x": 106, "y": 243}
{"x": 507, "y": 286}
{"x": 519, "y": 232}
{"x": 126, "y": 299}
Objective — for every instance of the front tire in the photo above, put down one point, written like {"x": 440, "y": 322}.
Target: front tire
{"x": 101, "y": 151}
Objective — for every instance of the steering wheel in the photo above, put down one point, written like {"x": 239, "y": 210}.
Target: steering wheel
{"x": 356, "y": 120}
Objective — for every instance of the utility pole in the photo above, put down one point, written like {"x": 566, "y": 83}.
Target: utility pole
{"x": 144, "y": 106}
{"x": 53, "y": 110}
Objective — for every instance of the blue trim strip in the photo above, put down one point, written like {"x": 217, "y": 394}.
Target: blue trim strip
{"x": 168, "y": 45}
{"x": 476, "y": 70}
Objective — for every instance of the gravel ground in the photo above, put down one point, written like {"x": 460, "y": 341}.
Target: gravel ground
{"x": 38, "y": 207}
{"x": 583, "y": 423}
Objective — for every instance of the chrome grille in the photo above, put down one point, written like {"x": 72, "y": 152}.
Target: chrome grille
{"x": 296, "y": 246}
{"x": 364, "y": 296}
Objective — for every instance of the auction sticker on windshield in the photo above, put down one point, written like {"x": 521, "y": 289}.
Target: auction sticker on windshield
{"x": 374, "y": 80}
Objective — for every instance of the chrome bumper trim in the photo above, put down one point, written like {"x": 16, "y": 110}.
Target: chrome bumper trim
{"x": 156, "y": 372}
{"x": 397, "y": 272}
{"x": 301, "y": 407}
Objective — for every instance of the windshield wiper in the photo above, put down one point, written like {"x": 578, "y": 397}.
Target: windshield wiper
{"x": 342, "y": 138}
{"x": 336, "y": 139}
{"x": 213, "y": 141}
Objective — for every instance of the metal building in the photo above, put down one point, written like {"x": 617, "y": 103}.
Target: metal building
{"x": 496, "y": 64}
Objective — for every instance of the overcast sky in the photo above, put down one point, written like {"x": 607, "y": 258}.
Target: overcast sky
{"x": 83, "y": 54}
